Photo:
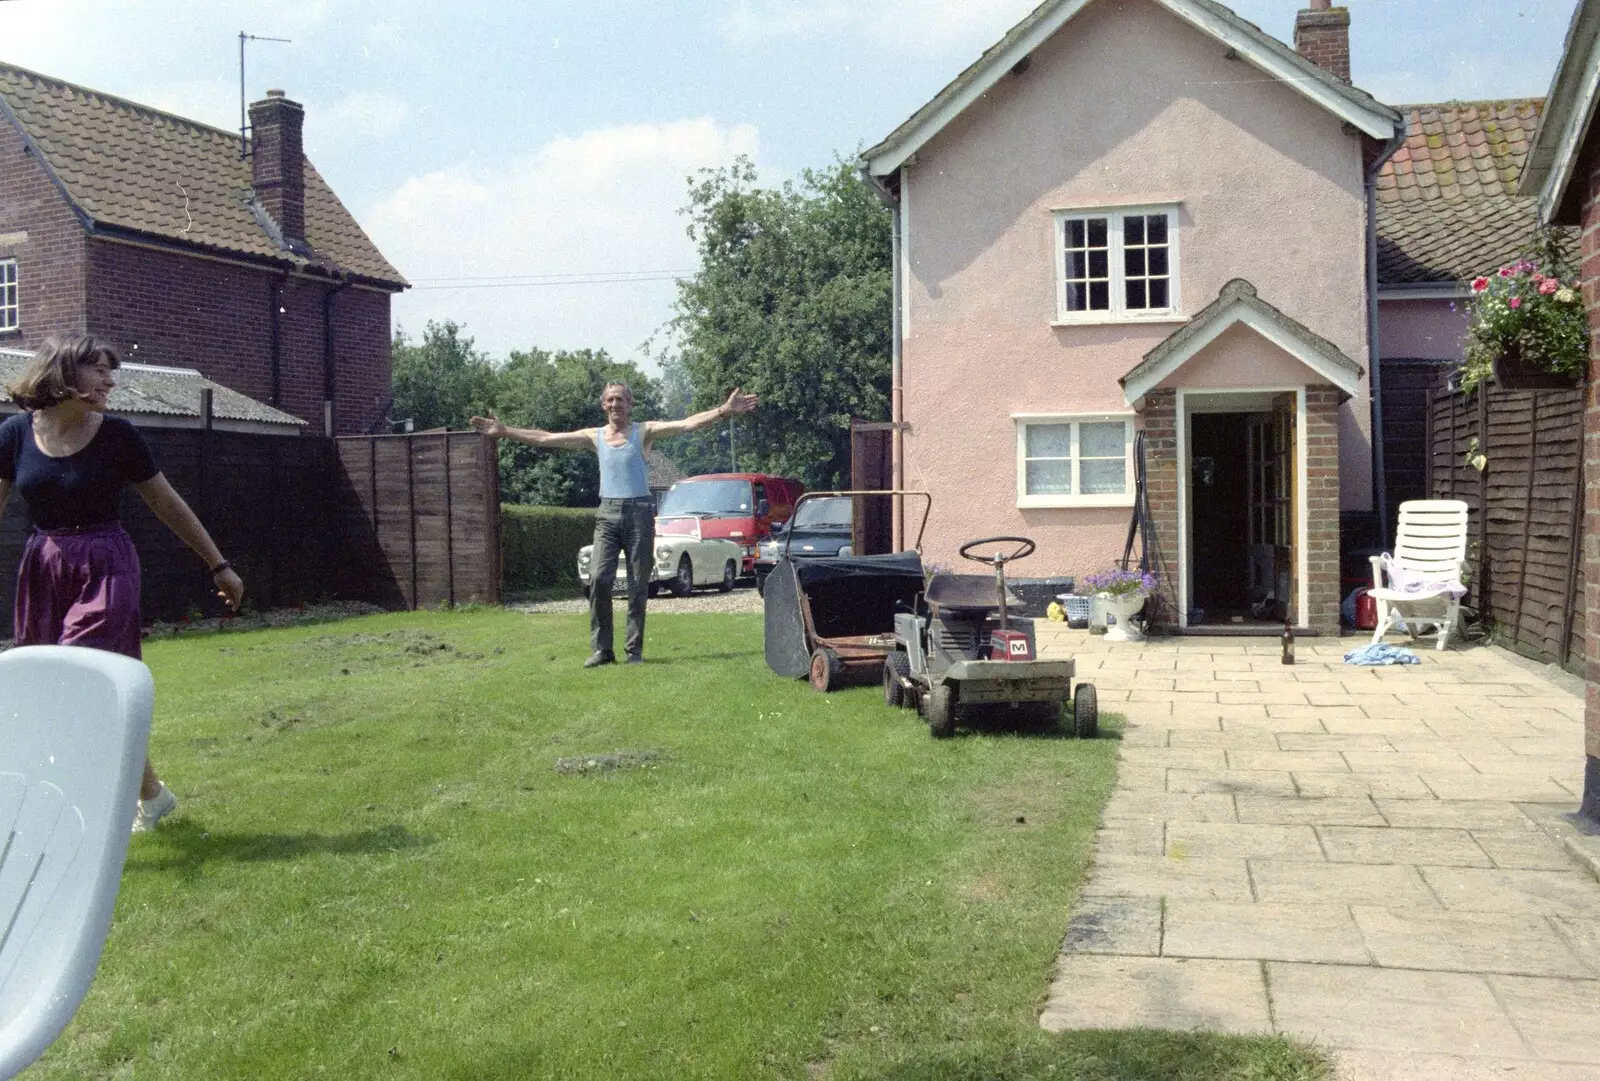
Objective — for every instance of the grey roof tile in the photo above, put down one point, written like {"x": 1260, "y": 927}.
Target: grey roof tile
{"x": 170, "y": 392}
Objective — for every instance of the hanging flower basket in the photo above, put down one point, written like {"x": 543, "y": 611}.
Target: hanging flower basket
{"x": 1528, "y": 329}
{"x": 1512, "y": 372}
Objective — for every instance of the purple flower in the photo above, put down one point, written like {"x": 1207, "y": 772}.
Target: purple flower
{"x": 1121, "y": 583}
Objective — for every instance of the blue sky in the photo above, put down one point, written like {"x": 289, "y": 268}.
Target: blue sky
{"x": 552, "y": 140}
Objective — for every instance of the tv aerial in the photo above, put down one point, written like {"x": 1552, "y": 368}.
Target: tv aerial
{"x": 244, "y": 125}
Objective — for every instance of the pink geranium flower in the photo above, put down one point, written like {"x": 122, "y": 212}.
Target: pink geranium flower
{"x": 1548, "y": 286}
{"x": 1516, "y": 302}
{"x": 1505, "y": 272}
{"x": 1479, "y": 284}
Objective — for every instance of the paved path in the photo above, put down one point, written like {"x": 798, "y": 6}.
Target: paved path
{"x": 1346, "y": 854}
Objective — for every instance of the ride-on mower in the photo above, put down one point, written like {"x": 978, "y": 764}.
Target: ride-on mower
{"x": 968, "y": 653}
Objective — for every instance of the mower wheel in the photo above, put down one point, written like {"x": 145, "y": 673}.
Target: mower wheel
{"x": 939, "y": 709}
{"x": 1086, "y": 712}
{"x": 896, "y": 666}
{"x": 825, "y": 669}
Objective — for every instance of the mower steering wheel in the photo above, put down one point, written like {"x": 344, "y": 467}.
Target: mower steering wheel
{"x": 1025, "y": 549}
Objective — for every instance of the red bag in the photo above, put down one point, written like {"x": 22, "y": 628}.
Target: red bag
{"x": 1366, "y": 610}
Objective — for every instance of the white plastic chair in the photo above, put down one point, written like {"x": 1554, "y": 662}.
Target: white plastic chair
{"x": 1430, "y": 553}
{"x": 74, "y": 723}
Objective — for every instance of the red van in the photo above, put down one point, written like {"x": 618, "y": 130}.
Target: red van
{"x": 741, "y": 507}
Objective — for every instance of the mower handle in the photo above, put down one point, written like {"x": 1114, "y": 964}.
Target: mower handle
{"x": 1025, "y": 549}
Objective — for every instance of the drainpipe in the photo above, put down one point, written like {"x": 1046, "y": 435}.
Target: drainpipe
{"x": 1380, "y": 494}
{"x": 329, "y": 369}
{"x": 275, "y": 315}
{"x": 896, "y": 381}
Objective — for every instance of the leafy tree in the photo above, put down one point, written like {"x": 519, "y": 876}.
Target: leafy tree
{"x": 793, "y": 303}
{"x": 442, "y": 380}
{"x": 560, "y": 392}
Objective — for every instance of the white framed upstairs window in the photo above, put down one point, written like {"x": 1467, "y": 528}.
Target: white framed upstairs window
{"x": 1117, "y": 264}
{"x": 1075, "y": 461}
{"x": 10, "y": 306}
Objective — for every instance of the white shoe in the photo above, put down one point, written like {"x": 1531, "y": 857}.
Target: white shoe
{"x": 154, "y": 810}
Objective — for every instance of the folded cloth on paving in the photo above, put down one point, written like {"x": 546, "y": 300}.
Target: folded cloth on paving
{"x": 1381, "y": 653}
{"x": 1404, "y": 581}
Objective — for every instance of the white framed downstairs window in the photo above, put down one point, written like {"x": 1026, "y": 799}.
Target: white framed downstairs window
{"x": 1117, "y": 264}
{"x": 10, "y": 306}
{"x": 1075, "y": 460}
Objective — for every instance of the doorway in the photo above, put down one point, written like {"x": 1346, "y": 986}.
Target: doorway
{"x": 1242, "y": 528}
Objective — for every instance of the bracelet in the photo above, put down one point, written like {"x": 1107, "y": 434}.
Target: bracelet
{"x": 220, "y": 567}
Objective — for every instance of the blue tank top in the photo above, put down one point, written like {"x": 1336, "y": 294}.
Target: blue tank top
{"x": 622, "y": 470}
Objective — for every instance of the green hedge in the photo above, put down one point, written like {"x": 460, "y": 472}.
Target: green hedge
{"x": 539, "y": 545}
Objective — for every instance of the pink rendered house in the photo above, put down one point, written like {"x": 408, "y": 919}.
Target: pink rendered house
{"x": 1144, "y": 216}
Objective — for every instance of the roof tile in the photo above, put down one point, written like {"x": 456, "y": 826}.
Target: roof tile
{"x": 1447, "y": 203}
{"x": 135, "y": 168}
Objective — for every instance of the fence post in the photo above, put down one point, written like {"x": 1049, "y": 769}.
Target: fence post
{"x": 489, "y": 475}
{"x": 1427, "y": 423}
{"x": 1485, "y": 609}
{"x": 203, "y": 500}
{"x": 449, "y": 528}
{"x": 1527, "y": 509}
{"x": 1575, "y": 541}
{"x": 411, "y": 514}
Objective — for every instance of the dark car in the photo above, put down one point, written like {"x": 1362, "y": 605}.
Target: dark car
{"x": 820, "y": 527}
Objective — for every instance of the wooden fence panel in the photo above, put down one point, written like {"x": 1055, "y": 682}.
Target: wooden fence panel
{"x": 1526, "y": 507}
{"x": 426, "y": 509}
{"x": 394, "y": 520}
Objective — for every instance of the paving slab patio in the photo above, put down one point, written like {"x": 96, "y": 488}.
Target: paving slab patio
{"x": 1375, "y": 859}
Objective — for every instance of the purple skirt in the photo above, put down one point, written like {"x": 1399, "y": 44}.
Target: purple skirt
{"x": 79, "y": 587}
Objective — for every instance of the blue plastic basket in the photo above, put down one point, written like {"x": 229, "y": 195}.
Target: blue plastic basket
{"x": 1078, "y": 609}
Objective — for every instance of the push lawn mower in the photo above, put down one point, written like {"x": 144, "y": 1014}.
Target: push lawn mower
{"x": 968, "y": 652}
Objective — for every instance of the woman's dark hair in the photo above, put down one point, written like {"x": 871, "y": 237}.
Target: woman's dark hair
{"x": 51, "y": 377}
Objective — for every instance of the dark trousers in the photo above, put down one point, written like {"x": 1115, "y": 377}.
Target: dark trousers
{"x": 621, "y": 526}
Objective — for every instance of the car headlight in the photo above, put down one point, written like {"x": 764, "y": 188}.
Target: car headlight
{"x": 663, "y": 554}
{"x": 847, "y": 550}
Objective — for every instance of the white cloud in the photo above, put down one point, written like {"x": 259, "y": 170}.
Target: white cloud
{"x": 364, "y": 113}
{"x": 595, "y": 204}
{"x": 916, "y": 23}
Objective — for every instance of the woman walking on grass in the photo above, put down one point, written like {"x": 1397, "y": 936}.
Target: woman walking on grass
{"x": 78, "y": 584}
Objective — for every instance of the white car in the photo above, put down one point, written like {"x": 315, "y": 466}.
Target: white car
{"x": 683, "y": 560}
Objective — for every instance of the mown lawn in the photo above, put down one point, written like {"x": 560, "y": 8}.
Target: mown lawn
{"x": 401, "y": 854}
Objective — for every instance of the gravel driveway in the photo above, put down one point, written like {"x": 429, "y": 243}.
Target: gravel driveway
{"x": 744, "y": 598}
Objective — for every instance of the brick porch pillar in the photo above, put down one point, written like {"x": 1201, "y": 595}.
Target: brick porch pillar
{"x": 1322, "y": 510}
{"x": 1590, "y": 276}
{"x": 1161, "y": 484}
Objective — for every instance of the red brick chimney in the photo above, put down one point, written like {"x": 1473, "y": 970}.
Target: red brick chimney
{"x": 1322, "y": 36}
{"x": 277, "y": 162}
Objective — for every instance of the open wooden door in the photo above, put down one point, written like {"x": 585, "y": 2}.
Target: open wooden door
{"x": 1285, "y": 549}
{"x": 1273, "y": 528}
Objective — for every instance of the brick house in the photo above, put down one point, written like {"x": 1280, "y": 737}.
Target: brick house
{"x": 156, "y": 233}
{"x": 1563, "y": 173}
{"x": 1144, "y": 216}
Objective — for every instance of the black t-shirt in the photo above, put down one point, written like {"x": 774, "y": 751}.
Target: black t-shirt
{"x": 81, "y": 489}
